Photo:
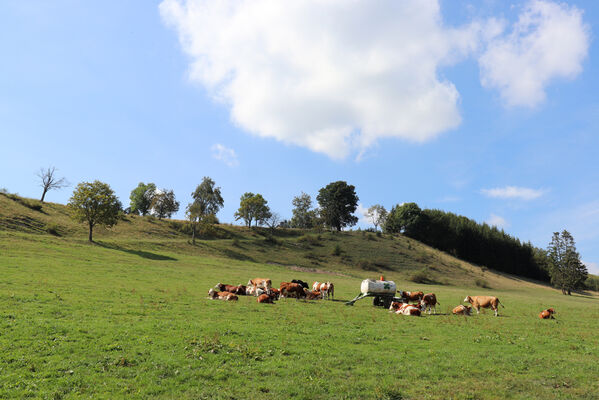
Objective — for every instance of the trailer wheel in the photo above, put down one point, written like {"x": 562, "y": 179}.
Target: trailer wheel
{"x": 387, "y": 302}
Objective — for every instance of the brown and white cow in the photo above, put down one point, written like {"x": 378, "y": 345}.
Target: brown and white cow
{"x": 484, "y": 302}
{"x": 410, "y": 296}
{"x": 462, "y": 310}
{"x": 263, "y": 283}
{"x": 289, "y": 289}
{"x": 240, "y": 289}
{"x": 326, "y": 288}
{"x": 547, "y": 314}
{"x": 405, "y": 309}
{"x": 227, "y": 296}
{"x": 429, "y": 301}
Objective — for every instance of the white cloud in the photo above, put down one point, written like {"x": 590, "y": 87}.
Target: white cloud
{"x": 548, "y": 41}
{"x": 496, "y": 220}
{"x": 514, "y": 192}
{"x": 332, "y": 76}
{"x": 225, "y": 155}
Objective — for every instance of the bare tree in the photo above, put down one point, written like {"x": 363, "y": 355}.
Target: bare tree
{"x": 273, "y": 221}
{"x": 50, "y": 181}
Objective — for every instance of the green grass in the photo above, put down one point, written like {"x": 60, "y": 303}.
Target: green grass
{"x": 128, "y": 317}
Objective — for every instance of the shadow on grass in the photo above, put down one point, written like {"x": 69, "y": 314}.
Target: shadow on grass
{"x": 141, "y": 253}
{"x": 236, "y": 255}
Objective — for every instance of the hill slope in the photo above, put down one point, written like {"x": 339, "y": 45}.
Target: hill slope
{"x": 357, "y": 254}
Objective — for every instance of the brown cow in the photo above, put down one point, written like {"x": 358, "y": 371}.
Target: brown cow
{"x": 405, "y": 309}
{"x": 462, "y": 310}
{"x": 410, "y": 296}
{"x": 429, "y": 301}
{"x": 312, "y": 295}
{"x": 265, "y": 298}
{"x": 289, "y": 289}
{"x": 547, "y": 314}
{"x": 484, "y": 302}
{"x": 326, "y": 288}
{"x": 227, "y": 296}
{"x": 263, "y": 283}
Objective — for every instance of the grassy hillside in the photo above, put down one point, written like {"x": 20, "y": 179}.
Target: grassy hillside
{"x": 350, "y": 253}
{"x": 128, "y": 317}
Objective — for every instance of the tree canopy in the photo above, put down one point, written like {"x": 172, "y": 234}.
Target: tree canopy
{"x": 377, "y": 215}
{"x": 303, "y": 216}
{"x": 207, "y": 201}
{"x": 566, "y": 270}
{"x": 141, "y": 198}
{"x": 253, "y": 207}
{"x": 338, "y": 201}
{"x": 96, "y": 204}
{"x": 164, "y": 203}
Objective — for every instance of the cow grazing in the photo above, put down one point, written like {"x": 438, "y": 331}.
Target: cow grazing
{"x": 462, "y": 310}
{"x": 547, "y": 314}
{"x": 265, "y": 298}
{"x": 429, "y": 301}
{"x": 304, "y": 284}
{"x": 484, "y": 302}
{"x": 326, "y": 288}
{"x": 289, "y": 289}
{"x": 405, "y": 309}
{"x": 410, "y": 296}
{"x": 227, "y": 296}
{"x": 263, "y": 283}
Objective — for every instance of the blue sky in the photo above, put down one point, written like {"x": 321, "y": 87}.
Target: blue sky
{"x": 488, "y": 109}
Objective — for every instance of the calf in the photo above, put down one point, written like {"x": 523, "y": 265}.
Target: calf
{"x": 462, "y": 310}
{"x": 227, "y": 296}
{"x": 547, "y": 314}
{"x": 429, "y": 301}
{"x": 410, "y": 296}
{"x": 484, "y": 302}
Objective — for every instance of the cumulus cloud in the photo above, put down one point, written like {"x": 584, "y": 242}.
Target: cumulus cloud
{"x": 549, "y": 40}
{"x": 336, "y": 76}
{"x": 224, "y": 154}
{"x": 514, "y": 192}
{"x": 333, "y": 76}
{"x": 496, "y": 220}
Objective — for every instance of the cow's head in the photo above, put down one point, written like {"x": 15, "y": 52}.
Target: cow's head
{"x": 551, "y": 310}
{"x": 468, "y": 299}
{"x": 211, "y": 293}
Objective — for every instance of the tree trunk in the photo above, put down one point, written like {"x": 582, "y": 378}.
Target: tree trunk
{"x": 193, "y": 234}
{"x": 44, "y": 194}
{"x": 91, "y": 227}
{"x": 569, "y": 292}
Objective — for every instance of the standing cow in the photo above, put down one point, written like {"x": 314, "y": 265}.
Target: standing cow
{"x": 326, "y": 288}
{"x": 484, "y": 302}
{"x": 429, "y": 301}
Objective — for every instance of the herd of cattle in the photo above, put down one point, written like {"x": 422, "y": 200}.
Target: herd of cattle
{"x": 265, "y": 293}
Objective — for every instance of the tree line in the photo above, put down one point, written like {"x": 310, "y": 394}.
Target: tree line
{"x": 96, "y": 204}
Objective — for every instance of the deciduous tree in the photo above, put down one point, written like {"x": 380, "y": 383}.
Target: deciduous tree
{"x": 141, "y": 198}
{"x": 164, "y": 203}
{"x": 303, "y": 217}
{"x": 253, "y": 207}
{"x": 377, "y": 215}
{"x": 96, "y": 204}
{"x": 338, "y": 201}
{"x": 207, "y": 201}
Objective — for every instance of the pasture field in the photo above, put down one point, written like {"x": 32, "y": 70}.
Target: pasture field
{"x": 127, "y": 318}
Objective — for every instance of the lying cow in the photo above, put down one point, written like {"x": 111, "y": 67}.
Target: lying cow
{"x": 304, "y": 284}
{"x": 312, "y": 295}
{"x": 405, "y": 309}
{"x": 266, "y": 298}
{"x": 263, "y": 283}
{"x": 462, "y": 310}
{"x": 484, "y": 302}
{"x": 410, "y": 296}
{"x": 240, "y": 289}
{"x": 289, "y": 289}
{"x": 547, "y": 314}
{"x": 255, "y": 291}
{"x": 227, "y": 296}
{"x": 429, "y": 301}
{"x": 326, "y": 288}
